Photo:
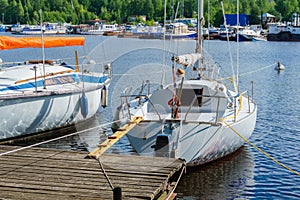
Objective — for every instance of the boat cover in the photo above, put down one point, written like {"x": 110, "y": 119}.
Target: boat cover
{"x": 188, "y": 60}
{"x": 8, "y": 42}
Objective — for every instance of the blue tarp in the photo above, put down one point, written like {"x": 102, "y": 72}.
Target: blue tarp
{"x": 231, "y": 19}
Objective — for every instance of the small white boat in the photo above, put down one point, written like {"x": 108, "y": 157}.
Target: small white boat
{"x": 40, "y": 95}
{"x": 250, "y": 33}
{"x": 100, "y": 29}
{"x": 198, "y": 119}
{"x": 279, "y": 66}
{"x": 47, "y": 29}
{"x": 287, "y": 31}
{"x": 259, "y": 39}
{"x": 180, "y": 30}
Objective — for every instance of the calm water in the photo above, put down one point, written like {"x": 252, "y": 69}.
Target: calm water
{"x": 246, "y": 174}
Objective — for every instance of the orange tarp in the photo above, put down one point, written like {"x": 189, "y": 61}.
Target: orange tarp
{"x": 7, "y": 42}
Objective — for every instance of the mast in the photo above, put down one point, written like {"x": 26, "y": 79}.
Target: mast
{"x": 199, "y": 44}
{"x": 237, "y": 46}
{"x": 208, "y": 18}
{"x": 199, "y": 30}
{"x": 164, "y": 44}
{"x": 43, "y": 47}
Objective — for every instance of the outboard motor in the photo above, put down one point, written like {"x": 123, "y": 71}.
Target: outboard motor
{"x": 162, "y": 145}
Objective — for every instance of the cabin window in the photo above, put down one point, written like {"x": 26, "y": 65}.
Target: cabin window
{"x": 60, "y": 80}
{"x": 189, "y": 94}
{"x": 50, "y": 81}
{"x": 66, "y": 79}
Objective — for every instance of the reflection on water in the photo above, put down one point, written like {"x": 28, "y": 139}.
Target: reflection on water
{"x": 228, "y": 178}
{"x": 88, "y": 135}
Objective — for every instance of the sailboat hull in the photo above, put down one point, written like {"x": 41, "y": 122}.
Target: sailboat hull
{"x": 200, "y": 134}
{"x": 27, "y": 106}
{"x": 197, "y": 143}
{"x": 35, "y": 113}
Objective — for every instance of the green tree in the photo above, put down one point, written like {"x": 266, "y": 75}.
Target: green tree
{"x": 286, "y": 8}
{"x": 158, "y": 9}
{"x": 12, "y": 15}
{"x": 149, "y": 9}
{"x": 20, "y": 12}
{"x": 3, "y": 9}
{"x": 245, "y": 7}
{"x": 120, "y": 11}
{"x": 255, "y": 12}
{"x": 36, "y": 17}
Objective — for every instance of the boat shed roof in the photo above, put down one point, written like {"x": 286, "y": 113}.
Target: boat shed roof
{"x": 231, "y": 19}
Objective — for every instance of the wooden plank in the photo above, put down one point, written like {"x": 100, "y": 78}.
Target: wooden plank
{"x": 57, "y": 174}
{"x": 91, "y": 169}
{"x": 13, "y": 193}
{"x": 114, "y": 138}
{"x": 115, "y": 176}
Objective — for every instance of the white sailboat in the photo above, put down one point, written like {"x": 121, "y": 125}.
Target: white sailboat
{"x": 40, "y": 95}
{"x": 193, "y": 119}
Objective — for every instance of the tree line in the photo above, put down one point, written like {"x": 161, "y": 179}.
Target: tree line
{"x": 121, "y": 11}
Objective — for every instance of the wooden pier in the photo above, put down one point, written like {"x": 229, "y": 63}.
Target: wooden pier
{"x": 38, "y": 173}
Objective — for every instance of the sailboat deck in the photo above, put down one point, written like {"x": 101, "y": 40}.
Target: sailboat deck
{"x": 190, "y": 117}
{"x": 202, "y": 117}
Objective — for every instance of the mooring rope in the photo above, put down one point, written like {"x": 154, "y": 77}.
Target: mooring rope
{"x": 260, "y": 150}
{"x": 105, "y": 174}
{"x": 58, "y": 138}
{"x": 181, "y": 173}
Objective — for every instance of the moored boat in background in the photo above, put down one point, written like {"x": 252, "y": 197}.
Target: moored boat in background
{"x": 259, "y": 39}
{"x": 248, "y": 33}
{"x": 179, "y": 30}
{"x": 227, "y": 33}
{"x": 46, "y": 28}
{"x": 99, "y": 29}
{"x": 289, "y": 31}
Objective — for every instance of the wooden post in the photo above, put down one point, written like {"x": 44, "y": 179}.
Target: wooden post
{"x": 76, "y": 57}
{"x": 117, "y": 193}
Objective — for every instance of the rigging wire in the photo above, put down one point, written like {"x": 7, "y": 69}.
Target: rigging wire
{"x": 229, "y": 47}
{"x": 246, "y": 73}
